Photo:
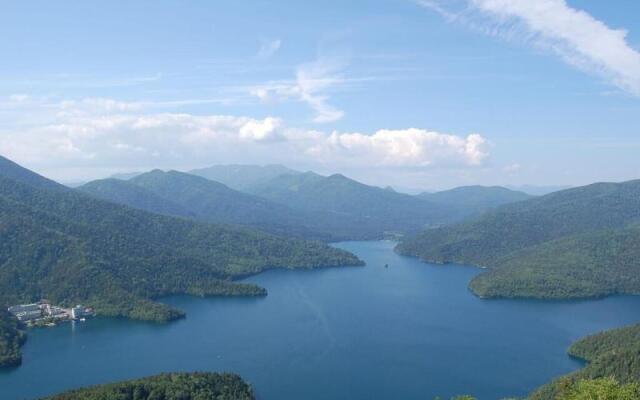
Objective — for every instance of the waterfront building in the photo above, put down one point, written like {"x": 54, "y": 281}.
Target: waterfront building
{"x": 78, "y": 312}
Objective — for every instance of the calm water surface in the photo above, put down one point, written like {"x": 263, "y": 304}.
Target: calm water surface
{"x": 409, "y": 331}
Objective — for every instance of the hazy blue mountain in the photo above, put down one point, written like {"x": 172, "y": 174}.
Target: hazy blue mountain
{"x": 11, "y": 170}
{"x": 215, "y": 202}
{"x": 73, "y": 184}
{"x": 125, "y": 176}
{"x": 476, "y": 199}
{"x": 578, "y": 242}
{"x": 536, "y": 190}
{"x": 243, "y": 177}
{"x": 380, "y": 209}
{"x": 132, "y": 195}
{"x": 186, "y": 195}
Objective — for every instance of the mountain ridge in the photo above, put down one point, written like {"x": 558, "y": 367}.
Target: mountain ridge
{"x": 515, "y": 240}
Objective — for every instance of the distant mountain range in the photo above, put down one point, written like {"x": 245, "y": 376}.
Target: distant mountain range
{"x": 474, "y": 200}
{"x": 184, "y": 195}
{"x": 243, "y": 177}
{"x": 536, "y": 190}
{"x": 286, "y": 202}
{"x": 580, "y": 242}
{"x": 384, "y": 210}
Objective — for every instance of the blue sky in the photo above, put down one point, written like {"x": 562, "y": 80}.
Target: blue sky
{"x": 417, "y": 94}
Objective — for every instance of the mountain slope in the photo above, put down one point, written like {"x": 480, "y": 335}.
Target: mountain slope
{"x": 214, "y": 202}
{"x": 535, "y": 190}
{"x": 182, "y": 194}
{"x": 377, "y": 209}
{"x": 243, "y": 177}
{"x": 11, "y": 170}
{"x": 582, "y": 238}
{"x": 593, "y": 264}
{"x": 132, "y": 195}
{"x": 476, "y": 199}
{"x": 60, "y": 244}
{"x": 11, "y": 338}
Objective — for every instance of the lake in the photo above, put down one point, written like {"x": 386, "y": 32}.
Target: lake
{"x": 409, "y": 331}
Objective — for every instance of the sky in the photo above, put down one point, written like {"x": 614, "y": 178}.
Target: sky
{"x": 416, "y": 94}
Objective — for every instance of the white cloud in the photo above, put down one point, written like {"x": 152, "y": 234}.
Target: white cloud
{"x": 312, "y": 84}
{"x": 402, "y": 148}
{"x": 576, "y": 36}
{"x": 268, "y": 48}
{"x": 106, "y": 135}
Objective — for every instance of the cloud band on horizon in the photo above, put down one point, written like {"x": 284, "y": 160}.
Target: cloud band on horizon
{"x": 108, "y": 134}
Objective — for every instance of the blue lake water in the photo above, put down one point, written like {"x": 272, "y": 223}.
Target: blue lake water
{"x": 409, "y": 331}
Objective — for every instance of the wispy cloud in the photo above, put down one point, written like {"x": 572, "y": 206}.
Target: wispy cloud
{"x": 577, "y": 37}
{"x": 312, "y": 84}
{"x": 82, "y": 81}
{"x": 268, "y": 48}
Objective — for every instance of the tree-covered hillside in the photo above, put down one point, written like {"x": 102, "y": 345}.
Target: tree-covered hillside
{"x": 70, "y": 248}
{"x": 180, "y": 194}
{"x": 243, "y": 177}
{"x": 175, "y": 386}
{"x": 610, "y": 354}
{"x": 11, "y": 338}
{"x": 373, "y": 208}
{"x": 588, "y": 265}
{"x": 576, "y": 243}
{"x": 127, "y": 193}
{"x": 214, "y": 202}
{"x": 474, "y": 200}
{"x": 300, "y": 209}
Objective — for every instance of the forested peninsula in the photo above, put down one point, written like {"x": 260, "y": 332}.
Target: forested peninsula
{"x": 613, "y": 354}
{"x": 70, "y": 248}
{"x": 174, "y": 386}
{"x": 576, "y": 243}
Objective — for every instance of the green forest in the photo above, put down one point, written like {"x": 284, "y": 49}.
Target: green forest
{"x": 208, "y": 386}
{"x": 175, "y": 386}
{"x": 611, "y": 354}
{"x": 576, "y": 243}
{"x": 70, "y": 248}
{"x": 11, "y": 338}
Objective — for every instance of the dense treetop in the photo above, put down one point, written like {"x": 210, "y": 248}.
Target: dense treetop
{"x": 175, "y": 386}
{"x": 11, "y": 338}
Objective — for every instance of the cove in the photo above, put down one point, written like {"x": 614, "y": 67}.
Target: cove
{"x": 409, "y": 331}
